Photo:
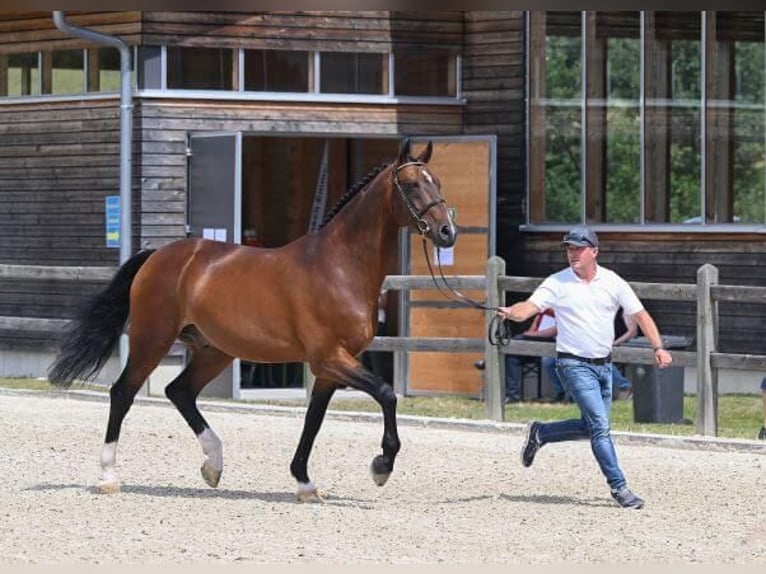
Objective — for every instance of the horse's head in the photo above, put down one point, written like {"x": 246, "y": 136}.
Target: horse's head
{"x": 420, "y": 193}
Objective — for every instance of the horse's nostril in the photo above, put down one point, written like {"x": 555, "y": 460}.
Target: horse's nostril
{"x": 447, "y": 233}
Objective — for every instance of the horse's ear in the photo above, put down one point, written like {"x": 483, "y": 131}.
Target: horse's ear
{"x": 425, "y": 155}
{"x": 404, "y": 151}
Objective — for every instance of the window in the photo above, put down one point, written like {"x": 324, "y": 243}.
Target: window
{"x": 687, "y": 150}
{"x": 200, "y": 68}
{"x": 67, "y": 72}
{"x": 425, "y": 74}
{"x": 104, "y": 70}
{"x": 276, "y": 71}
{"x": 23, "y": 76}
{"x": 343, "y": 73}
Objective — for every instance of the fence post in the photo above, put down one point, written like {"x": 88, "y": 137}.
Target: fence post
{"x": 493, "y": 392}
{"x": 707, "y": 343}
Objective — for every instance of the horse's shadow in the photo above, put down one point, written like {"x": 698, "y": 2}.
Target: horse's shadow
{"x": 199, "y": 493}
{"x": 562, "y": 500}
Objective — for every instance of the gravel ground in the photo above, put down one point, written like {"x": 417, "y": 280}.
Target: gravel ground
{"x": 456, "y": 495}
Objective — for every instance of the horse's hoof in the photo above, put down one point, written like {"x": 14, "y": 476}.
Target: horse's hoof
{"x": 380, "y": 469}
{"x": 108, "y": 487}
{"x": 307, "y": 492}
{"x": 211, "y": 475}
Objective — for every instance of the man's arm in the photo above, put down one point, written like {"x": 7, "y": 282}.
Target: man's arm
{"x": 520, "y": 311}
{"x": 630, "y": 323}
{"x": 649, "y": 328}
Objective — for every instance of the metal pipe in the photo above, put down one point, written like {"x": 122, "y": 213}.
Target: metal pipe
{"x": 126, "y": 139}
{"x": 126, "y": 123}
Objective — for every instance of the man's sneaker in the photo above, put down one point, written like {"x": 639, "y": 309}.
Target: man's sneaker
{"x": 627, "y": 499}
{"x": 762, "y": 433}
{"x": 531, "y": 445}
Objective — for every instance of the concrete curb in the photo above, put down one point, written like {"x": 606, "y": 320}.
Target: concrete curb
{"x": 695, "y": 442}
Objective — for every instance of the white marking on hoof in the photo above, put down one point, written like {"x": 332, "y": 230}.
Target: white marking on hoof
{"x": 213, "y": 449}
{"x": 307, "y": 492}
{"x": 108, "y": 483}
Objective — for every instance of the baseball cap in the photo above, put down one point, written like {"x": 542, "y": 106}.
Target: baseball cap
{"x": 581, "y": 236}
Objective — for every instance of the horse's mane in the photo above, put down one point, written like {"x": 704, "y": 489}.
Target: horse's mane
{"x": 351, "y": 193}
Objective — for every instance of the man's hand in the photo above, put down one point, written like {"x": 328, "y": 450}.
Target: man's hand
{"x": 662, "y": 358}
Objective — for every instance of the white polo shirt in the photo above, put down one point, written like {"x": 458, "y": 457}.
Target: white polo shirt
{"x": 585, "y": 311}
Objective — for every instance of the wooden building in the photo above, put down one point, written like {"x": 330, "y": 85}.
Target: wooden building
{"x": 268, "y": 94}
{"x": 529, "y": 111}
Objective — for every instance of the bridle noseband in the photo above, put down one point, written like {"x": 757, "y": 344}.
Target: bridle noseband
{"x": 417, "y": 216}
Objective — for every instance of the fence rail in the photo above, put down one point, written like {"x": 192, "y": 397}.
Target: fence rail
{"x": 495, "y": 284}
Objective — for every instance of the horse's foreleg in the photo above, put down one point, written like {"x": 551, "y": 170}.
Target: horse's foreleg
{"x": 383, "y": 464}
{"x": 183, "y": 391}
{"x": 320, "y": 398}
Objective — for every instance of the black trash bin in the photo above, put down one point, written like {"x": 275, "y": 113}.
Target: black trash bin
{"x": 658, "y": 394}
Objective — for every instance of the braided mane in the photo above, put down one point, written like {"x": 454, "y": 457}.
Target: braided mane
{"x": 351, "y": 193}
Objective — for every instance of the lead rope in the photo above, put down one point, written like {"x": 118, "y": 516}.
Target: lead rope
{"x": 499, "y": 330}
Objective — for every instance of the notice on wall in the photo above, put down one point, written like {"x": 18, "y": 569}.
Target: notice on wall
{"x": 214, "y": 233}
{"x": 112, "y": 218}
{"x": 444, "y": 256}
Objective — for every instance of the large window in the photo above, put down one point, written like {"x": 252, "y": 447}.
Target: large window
{"x": 67, "y": 72}
{"x": 647, "y": 118}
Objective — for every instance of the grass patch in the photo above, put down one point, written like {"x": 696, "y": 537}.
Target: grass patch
{"x": 739, "y": 416}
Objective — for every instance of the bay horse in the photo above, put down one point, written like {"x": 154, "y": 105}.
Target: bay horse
{"x": 312, "y": 300}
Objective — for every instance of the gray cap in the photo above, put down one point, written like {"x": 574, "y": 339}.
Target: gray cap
{"x": 581, "y": 236}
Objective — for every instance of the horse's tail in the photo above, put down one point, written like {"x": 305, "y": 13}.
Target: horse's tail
{"x": 90, "y": 338}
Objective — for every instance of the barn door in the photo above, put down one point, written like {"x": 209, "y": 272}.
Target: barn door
{"x": 466, "y": 168}
{"x": 214, "y": 211}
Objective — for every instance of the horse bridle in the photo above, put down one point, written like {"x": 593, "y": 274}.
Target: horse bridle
{"x": 417, "y": 216}
{"x": 499, "y": 330}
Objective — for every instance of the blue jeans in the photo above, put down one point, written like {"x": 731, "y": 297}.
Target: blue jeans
{"x": 591, "y": 388}
{"x": 619, "y": 379}
{"x": 549, "y": 366}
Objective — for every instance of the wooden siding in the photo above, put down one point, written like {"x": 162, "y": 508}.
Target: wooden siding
{"x": 366, "y": 31}
{"x": 668, "y": 258}
{"x": 327, "y": 31}
{"x": 33, "y": 31}
{"x": 493, "y": 84}
{"x": 58, "y": 161}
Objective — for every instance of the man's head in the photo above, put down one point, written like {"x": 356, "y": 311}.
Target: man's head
{"x": 582, "y": 249}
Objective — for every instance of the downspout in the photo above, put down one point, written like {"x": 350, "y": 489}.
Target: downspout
{"x": 126, "y": 139}
{"x": 126, "y": 123}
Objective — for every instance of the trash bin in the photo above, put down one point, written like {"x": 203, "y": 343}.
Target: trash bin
{"x": 658, "y": 394}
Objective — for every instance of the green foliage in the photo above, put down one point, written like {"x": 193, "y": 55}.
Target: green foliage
{"x": 563, "y": 177}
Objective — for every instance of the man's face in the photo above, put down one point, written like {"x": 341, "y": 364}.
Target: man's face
{"x": 581, "y": 259}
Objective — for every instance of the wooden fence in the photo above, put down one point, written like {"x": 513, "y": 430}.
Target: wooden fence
{"x": 706, "y": 292}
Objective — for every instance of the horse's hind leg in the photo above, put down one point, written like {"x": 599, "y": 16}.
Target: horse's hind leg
{"x": 206, "y": 363}
{"x": 320, "y": 397}
{"x": 142, "y": 360}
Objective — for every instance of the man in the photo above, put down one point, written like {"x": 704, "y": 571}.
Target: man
{"x": 585, "y": 298}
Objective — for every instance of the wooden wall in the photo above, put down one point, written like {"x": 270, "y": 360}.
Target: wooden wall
{"x": 493, "y": 84}
{"x": 31, "y": 31}
{"x": 330, "y": 31}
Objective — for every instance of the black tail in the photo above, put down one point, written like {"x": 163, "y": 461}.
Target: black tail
{"x": 90, "y": 338}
